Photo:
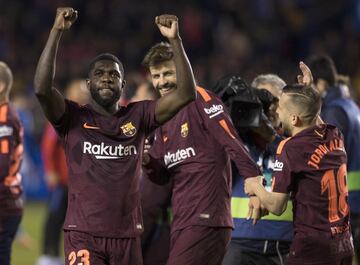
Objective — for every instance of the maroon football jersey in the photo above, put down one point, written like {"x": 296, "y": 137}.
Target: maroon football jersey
{"x": 11, "y": 152}
{"x": 104, "y": 156}
{"x": 195, "y": 148}
{"x": 311, "y": 166}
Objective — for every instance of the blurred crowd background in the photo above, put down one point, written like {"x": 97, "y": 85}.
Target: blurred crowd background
{"x": 246, "y": 37}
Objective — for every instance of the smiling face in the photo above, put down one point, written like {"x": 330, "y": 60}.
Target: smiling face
{"x": 163, "y": 77}
{"x": 105, "y": 83}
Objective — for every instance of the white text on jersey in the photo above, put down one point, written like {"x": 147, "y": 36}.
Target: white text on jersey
{"x": 278, "y": 165}
{"x": 5, "y": 131}
{"x": 102, "y": 151}
{"x": 172, "y": 159}
{"x": 214, "y": 110}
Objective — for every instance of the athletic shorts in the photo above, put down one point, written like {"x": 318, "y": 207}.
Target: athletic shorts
{"x": 83, "y": 248}
{"x": 8, "y": 228}
{"x": 196, "y": 245}
{"x": 323, "y": 250}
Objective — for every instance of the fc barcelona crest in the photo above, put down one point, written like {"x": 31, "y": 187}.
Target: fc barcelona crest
{"x": 128, "y": 129}
{"x": 184, "y": 129}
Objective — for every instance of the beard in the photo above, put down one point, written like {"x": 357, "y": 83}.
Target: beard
{"x": 166, "y": 88}
{"x": 105, "y": 102}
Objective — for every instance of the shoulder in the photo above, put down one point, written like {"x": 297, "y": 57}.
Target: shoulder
{"x": 205, "y": 95}
{"x": 289, "y": 146}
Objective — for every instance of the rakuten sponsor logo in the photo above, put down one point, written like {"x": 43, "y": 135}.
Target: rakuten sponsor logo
{"x": 214, "y": 110}
{"x": 102, "y": 151}
{"x": 172, "y": 159}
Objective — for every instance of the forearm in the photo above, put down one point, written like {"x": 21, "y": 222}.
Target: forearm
{"x": 269, "y": 200}
{"x": 45, "y": 71}
{"x": 186, "y": 90}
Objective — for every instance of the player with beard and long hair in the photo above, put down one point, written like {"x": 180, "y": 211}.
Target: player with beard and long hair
{"x": 104, "y": 145}
{"x": 194, "y": 149}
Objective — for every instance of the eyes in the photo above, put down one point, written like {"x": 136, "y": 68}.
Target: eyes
{"x": 165, "y": 74}
{"x": 114, "y": 74}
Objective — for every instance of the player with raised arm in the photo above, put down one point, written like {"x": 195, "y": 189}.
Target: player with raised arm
{"x": 104, "y": 144}
{"x": 311, "y": 168}
{"x": 195, "y": 149}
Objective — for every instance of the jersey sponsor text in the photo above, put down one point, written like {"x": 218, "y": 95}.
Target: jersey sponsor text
{"x": 172, "y": 159}
{"x": 102, "y": 151}
{"x": 214, "y": 110}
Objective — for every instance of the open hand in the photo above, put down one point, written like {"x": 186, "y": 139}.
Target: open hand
{"x": 306, "y": 78}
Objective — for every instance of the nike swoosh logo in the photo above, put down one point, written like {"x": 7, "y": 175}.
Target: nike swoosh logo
{"x": 86, "y": 126}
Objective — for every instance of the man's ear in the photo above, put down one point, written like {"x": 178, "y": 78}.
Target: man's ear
{"x": 87, "y": 81}
{"x": 123, "y": 85}
{"x": 295, "y": 120}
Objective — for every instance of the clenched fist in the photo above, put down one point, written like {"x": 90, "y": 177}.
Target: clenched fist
{"x": 168, "y": 26}
{"x": 65, "y": 17}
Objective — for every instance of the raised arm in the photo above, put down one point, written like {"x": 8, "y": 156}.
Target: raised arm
{"x": 51, "y": 100}
{"x": 169, "y": 105}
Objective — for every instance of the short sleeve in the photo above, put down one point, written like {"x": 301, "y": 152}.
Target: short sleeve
{"x": 149, "y": 120}
{"x": 62, "y": 125}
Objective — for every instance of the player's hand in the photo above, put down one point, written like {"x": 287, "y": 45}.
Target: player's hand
{"x": 256, "y": 209}
{"x": 65, "y": 17}
{"x": 168, "y": 26}
{"x": 306, "y": 77}
{"x": 251, "y": 183}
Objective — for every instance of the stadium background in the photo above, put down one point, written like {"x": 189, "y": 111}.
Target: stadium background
{"x": 220, "y": 36}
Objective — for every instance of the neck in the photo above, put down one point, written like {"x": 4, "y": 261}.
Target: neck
{"x": 317, "y": 121}
{"x": 111, "y": 110}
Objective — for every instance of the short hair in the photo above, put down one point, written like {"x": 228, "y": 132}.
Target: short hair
{"x": 323, "y": 67}
{"x": 107, "y": 57}
{"x": 6, "y": 75}
{"x": 306, "y": 98}
{"x": 271, "y": 79}
{"x": 160, "y": 52}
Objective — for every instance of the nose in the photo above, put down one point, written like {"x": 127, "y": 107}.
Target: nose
{"x": 106, "y": 77}
{"x": 162, "y": 80}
